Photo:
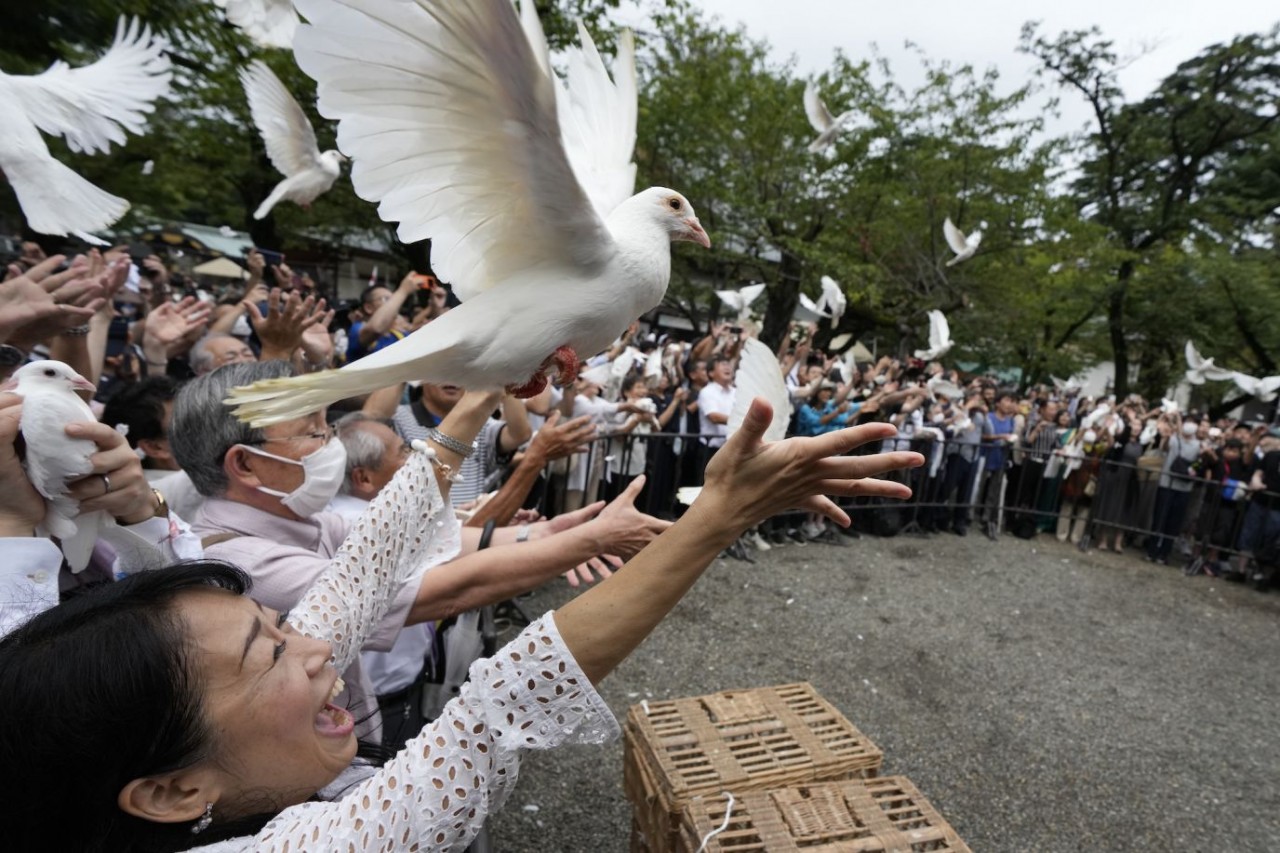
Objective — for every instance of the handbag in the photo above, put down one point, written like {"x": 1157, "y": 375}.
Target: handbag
{"x": 1091, "y": 487}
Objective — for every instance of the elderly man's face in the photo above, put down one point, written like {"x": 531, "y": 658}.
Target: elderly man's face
{"x": 293, "y": 440}
{"x": 394, "y": 454}
{"x": 228, "y": 350}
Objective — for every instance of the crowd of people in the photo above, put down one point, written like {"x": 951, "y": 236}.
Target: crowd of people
{"x": 271, "y": 597}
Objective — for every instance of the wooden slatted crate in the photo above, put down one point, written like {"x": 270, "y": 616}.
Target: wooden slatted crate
{"x": 882, "y": 815}
{"x": 738, "y": 740}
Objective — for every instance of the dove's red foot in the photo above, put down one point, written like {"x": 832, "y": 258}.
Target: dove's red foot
{"x": 566, "y": 362}
{"x": 535, "y": 386}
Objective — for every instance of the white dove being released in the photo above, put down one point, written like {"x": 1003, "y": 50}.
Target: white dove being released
{"x": 1265, "y": 390}
{"x": 49, "y": 403}
{"x": 740, "y": 301}
{"x": 268, "y": 23}
{"x": 91, "y": 107}
{"x": 940, "y": 342}
{"x": 453, "y": 122}
{"x": 290, "y": 140}
{"x": 830, "y": 305}
{"x": 963, "y": 246}
{"x": 1200, "y": 368}
{"x": 828, "y": 128}
{"x": 759, "y": 375}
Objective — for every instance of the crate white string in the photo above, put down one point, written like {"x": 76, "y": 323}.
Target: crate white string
{"x": 728, "y": 813}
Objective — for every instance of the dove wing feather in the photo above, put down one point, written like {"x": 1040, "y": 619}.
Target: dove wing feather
{"x": 598, "y": 120}
{"x": 269, "y": 23}
{"x": 759, "y": 375}
{"x": 287, "y": 133}
{"x": 939, "y": 330}
{"x": 93, "y": 106}
{"x": 954, "y": 236}
{"x": 492, "y": 187}
{"x": 817, "y": 112}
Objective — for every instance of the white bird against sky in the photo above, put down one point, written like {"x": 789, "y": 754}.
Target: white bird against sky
{"x": 1265, "y": 389}
{"x": 457, "y": 130}
{"x": 290, "y": 140}
{"x": 940, "y": 342}
{"x": 740, "y": 301}
{"x": 49, "y": 403}
{"x": 963, "y": 246}
{"x": 832, "y": 300}
{"x": 91, "y": 107}
{"x": 1200, "y": 369}
{"x": 758, "y": 375}
{"x": 820, "y": 118}
{"x": 268, "y": 23}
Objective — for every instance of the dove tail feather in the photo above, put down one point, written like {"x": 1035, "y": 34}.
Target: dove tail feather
{"x": 78, "y": 547}
{"x": 269, "y": 202}
{"x": 272, "y": 401}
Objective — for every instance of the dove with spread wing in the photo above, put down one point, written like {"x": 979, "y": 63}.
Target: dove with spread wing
{"x": 940, "y": 342}
{"x": 268, "y": 23}
{"x": 820, "y": 118}
{"x": 290, "y": 140}
{"x": 758, "y": 375}
{"x": 456, "y": 127}
{"x": 49, "y": 403}
{"x": 833, "y": 300}
{"x": 1200, "y": 369}
{"x": 1265, "y": 389}
{"x": 740, "y": 301}
{"x": 90, "y": 107}
{"x": 963, "y": 246}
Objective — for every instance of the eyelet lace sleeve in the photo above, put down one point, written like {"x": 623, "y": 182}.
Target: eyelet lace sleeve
{"x": 407, "y": 526}
{"x": 437, "y": 791}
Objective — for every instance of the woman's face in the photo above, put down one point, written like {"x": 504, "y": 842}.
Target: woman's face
{"x": 266, "y": 690}
{"x": 1063, "y": 419}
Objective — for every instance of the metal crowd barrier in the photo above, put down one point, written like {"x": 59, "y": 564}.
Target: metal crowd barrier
{"x": 956, "y": 489}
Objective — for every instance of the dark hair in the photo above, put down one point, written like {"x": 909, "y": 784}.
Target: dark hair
{"x": 367, "y": 293}
{"x": 1006, "y": 395}
{"x": 632, "y": 381}
{"x": 140, "y": 407}
{"x": 97, "y": 692}
{"x": 717, "y": 360}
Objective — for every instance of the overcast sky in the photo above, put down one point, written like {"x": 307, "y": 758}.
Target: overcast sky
{"x": 985, "y": 32}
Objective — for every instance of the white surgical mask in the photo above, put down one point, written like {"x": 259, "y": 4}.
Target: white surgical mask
{"x": 1188, "y": 429}
{"x": 322, "y": 474}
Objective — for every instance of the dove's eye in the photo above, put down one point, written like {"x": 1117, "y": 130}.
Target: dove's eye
{"x": 50, "y": 372}
{"x": 675, "y": 203}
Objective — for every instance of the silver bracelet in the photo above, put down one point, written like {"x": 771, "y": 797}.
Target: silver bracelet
{"x": 448, "y": 442}
{"x": 76, "y": 331}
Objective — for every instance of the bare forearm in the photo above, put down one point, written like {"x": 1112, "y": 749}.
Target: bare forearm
{"x": 384, "y": 402}
{"x": 499, "y": 573}
{"x": 380, "y": 323}
{"x": 510, "y": 498}
{"x": 73, "y": 351}
{"x": 605, "y": 624}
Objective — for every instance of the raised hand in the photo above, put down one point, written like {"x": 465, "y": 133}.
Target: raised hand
{"x": 286, "y": 321}
{"x": 557, "y": 440}
{"x": 40, "y": 303}
{"x": 170, "y": 325}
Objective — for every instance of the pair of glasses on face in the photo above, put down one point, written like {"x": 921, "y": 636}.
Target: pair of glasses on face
{"x": 319, "y": 435}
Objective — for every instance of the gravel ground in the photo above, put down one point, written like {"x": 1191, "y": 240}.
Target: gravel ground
{"x": 1041, "y": 698}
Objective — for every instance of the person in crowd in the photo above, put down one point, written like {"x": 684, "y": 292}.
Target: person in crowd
{"x": 141, "y": 412}
{"x": 822, "y": 413}
{"x": 1260, "y": 537}
{"x": 628, "y": 451}
{"x": 715, "y": 403}
{"x": 963, "y": 452}
{"x": 1182, "y": 450}
{"x": 213, "y": 717}
{"x": 1117, "y": 490}
{"x": 380, "y": 327}
{"x": 999, "y": 432}
{"x": 1080, "y": 486}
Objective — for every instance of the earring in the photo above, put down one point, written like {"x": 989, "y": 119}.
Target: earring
{"x": 205, "y": 819}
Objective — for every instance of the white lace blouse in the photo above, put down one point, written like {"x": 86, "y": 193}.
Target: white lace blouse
{"x": 436, "y": 792}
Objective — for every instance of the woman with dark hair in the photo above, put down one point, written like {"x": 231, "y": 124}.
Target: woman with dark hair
{"x": 169, "y": 710}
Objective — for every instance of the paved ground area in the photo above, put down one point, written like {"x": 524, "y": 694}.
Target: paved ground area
{"x": 1043, "y": 699}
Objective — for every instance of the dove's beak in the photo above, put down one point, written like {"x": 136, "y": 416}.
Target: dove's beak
{"x": 694, "y": 234}
{"x": 82, "y": 384}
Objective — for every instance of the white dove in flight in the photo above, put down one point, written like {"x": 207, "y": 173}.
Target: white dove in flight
{"x": 91, "y": 107}
{"x": 828, "y": 128}
{"x": 1200, "y": 368}
{"x": 940, "y": 386}
{"x": 758, "y": 375}
{"x": 268, "y": 23}
{"x": 833, "y": 300}
{"x": 963, "y": 246}
{"x": 290, "y": 140}
{"x": 454, "y": 125}
{"x": 1265, "y": 390}
{"x": 940, "y": 342}
{"x": 740, "y": 301}
{"x": 50, "y": 402}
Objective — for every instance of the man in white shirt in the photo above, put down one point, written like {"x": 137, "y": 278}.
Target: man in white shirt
{"x": 715, "y": 402}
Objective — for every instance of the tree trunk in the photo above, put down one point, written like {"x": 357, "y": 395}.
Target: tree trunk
{"x": 1115, "y": 327}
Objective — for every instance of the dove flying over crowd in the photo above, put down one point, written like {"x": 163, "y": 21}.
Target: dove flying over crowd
{"x": 290, "y": 140}
{"x": 1265, "y": 390}
{"x": 90, "y": 107}
{"x": 517, "y": 177}
{"x": 740, "y": 301}
{"x": 963, "y": 246}
{"x": 940, "y": 342}
{"x": 820, "y": 118}
{"x": 1200, "y": 369}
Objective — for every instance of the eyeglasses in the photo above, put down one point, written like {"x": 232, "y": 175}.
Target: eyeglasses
{"x": 324, "y": 435}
